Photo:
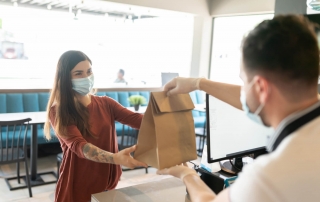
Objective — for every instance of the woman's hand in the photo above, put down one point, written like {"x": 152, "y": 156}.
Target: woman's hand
{"x": 179, "y": 171}
{"x": 180, "y": 85}
{"x": 124, "y": 158}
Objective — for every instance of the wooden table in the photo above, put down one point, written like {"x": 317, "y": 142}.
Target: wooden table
{"x": 142, "y": 109}
{"x": 37, "y": 118}
{"x": 159, "y": 190}
{"x": 200, "y": 107}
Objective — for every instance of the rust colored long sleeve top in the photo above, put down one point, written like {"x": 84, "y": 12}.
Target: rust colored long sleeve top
{"x": 80, "y": 177}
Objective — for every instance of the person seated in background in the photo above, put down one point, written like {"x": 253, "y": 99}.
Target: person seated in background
{"x": 280, "y": 70}
{"x": 120, "y": 77}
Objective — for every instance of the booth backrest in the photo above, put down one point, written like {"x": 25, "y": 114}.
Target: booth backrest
{"x": 34, "y": 102}
{"x": 122, "y": 97}
{"x": 197, "y": 98}
{"x": 23, "y": 102}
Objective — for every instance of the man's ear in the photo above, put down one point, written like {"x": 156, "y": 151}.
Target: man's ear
{"x": 262, "y": 88}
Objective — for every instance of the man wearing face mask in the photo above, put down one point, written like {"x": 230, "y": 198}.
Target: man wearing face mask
{"x": 280, "y": 70}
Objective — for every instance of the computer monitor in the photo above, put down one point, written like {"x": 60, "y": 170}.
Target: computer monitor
{"x": 232, "y": 135}
{"x": 168, "y": 76}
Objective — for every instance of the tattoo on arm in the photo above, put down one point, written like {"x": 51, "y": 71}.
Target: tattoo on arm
{"x": 96, "y": 154}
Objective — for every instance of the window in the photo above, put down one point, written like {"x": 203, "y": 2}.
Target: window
{"x": 228, "y": 33}
{"x": 32, "y": 40}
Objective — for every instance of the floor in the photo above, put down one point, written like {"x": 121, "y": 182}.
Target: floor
{"x": 45, "y": 193}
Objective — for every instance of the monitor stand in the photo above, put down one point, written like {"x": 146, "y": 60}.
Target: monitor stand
{"x": 234, "y": 167}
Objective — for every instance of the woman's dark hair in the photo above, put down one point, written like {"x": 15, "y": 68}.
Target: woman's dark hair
{"x": 285, "y": 49}
{"x": 67, "y": 110}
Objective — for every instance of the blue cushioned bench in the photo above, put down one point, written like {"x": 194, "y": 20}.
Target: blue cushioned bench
{"x": 198, "y": 117}
{"x": 34, "y": 102}
{"x": 26, "y": 102}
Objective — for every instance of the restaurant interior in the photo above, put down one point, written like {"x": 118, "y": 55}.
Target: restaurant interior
{"x": 136, "y": 47}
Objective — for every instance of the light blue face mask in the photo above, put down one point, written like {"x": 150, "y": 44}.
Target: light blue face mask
{"x": 83, "y": 86}
{"x": 253, "y": 116}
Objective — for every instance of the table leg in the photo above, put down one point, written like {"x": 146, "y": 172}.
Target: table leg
{"x": 36, "y": 178}
{"x": 34, "y": 151}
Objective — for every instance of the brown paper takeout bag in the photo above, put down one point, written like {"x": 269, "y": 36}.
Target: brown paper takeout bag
{"x": 166, "y": 136}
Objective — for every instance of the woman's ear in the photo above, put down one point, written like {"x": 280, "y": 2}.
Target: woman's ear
{"x": 262, "y": 89}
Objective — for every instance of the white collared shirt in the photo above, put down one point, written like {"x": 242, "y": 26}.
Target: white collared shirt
{"x": 290, "y": 173}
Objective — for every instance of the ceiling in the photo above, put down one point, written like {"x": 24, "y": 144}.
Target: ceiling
{"x": 95, "y": 7}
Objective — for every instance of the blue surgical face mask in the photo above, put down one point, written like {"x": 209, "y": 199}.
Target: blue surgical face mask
{"x": 83, "y": 86}
{"x": 253, "y": 116}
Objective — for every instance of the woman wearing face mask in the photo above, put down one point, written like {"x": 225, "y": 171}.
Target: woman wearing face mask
{"x": 85, "y": 127}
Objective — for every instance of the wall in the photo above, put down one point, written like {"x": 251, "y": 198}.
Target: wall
{"x": 204, "y": 63}
{"x": 197, "y": 7}
{"x": 201, "y": 51}
{"x": 290, "y": 6}
{"x": 196, "y": 46}
{"x": 240, "y": 7}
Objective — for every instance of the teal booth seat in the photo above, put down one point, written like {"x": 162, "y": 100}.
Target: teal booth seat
{"x": 34, "y": 102}
{"x": 198, "y": 117}
{"x": 25, "y": 102}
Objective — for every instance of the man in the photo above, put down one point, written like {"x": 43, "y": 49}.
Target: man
{"x": 280, "y": 69}
{"x": 120, "y": 77}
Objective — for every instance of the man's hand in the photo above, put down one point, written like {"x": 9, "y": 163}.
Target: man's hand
{"x": 179, "y": 171}
{"x": 180, "y": 85}
{"x": 124, "y": 158}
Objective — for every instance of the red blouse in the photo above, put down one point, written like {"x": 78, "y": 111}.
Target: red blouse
{"x": 79, "y": 177}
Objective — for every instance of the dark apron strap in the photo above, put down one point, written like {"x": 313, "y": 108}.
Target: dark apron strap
{"x": 295, "y": 125}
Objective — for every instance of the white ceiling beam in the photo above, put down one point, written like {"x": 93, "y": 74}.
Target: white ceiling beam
{"x": 61, "y": 4}
{"x": 44, "y": 2}
{"x": 24, "y": 1}
{"x": 34, "y": 1}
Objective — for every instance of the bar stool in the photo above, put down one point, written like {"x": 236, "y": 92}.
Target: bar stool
{"x": 201, "y": 133}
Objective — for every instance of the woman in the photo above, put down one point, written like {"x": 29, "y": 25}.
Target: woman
{"x": 85, "y": 127}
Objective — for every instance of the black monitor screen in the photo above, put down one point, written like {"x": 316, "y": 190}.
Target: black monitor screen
{"x": 315, "y": 18}
{"x": 230, "y": 133}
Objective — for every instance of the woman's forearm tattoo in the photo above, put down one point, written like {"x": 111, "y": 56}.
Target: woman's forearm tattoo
{"x": 93, "y": 153}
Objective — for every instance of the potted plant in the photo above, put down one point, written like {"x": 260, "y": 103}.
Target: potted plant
{"x": 136, "y": 101}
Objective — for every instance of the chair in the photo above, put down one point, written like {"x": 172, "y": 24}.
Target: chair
{"x": 13, "y": 149}
{"x": 59, "y": 160}
{"x": 201, "y": 137}
{"x": 128, "y": 138}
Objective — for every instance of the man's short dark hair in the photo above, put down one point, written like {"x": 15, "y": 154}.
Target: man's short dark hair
{"x": 285, "y": 50}
{"x": 121, "y": 71}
